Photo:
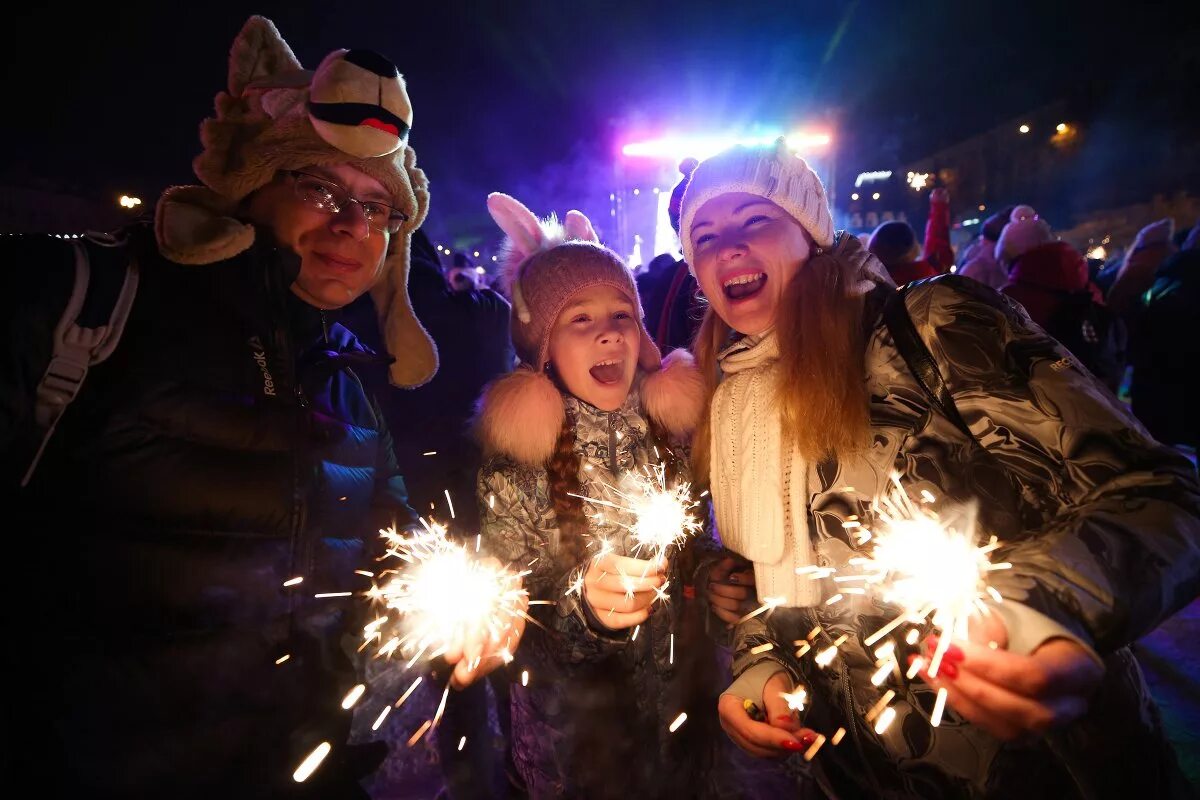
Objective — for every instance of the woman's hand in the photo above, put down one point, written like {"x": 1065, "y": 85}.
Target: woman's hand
{"x": 730, "y": 589}
{"x": 779, "y": 735}
{"x": 1011, "y": 695}
{"x": 620, "y": 590}
{"x": 479, "y": 652}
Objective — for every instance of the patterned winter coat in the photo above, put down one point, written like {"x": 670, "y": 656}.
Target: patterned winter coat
{"x": 1100, "y": 523}
{"x": 594, "y": 719}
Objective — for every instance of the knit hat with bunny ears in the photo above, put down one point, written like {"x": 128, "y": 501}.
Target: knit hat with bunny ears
{"x": 274, "y": 116}
{"x": 546, "y": 264}
{"x": 521, "y": 414}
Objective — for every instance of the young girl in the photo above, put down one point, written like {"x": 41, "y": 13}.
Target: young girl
{"x": 611, "y": 663}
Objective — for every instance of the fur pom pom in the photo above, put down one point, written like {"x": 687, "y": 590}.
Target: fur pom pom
{"x": 674, "y": 395}
{"x": 520, "y": 415}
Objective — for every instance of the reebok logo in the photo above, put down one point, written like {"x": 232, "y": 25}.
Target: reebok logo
{"x": 259, "y": 354}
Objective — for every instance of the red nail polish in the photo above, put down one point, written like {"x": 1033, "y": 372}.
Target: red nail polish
{"x": 948, "y": 669}
{"x": 785, "y": 718}
{"x": 954, "y": 653}
{"x": 794, "y": 745}
{"x": 807, "y": 740}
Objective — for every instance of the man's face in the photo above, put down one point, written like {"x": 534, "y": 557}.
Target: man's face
{"x": 341, "y": 256}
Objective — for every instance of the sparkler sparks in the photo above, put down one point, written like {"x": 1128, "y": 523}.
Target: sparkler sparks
{"x": 795, "y": 699}
{"x": 443, "y": 594}
{"x": 929, "y": 565}
{"x": 663, "y": 518}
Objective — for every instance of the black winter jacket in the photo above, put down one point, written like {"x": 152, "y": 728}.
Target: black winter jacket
{"x": 226, "y": 447}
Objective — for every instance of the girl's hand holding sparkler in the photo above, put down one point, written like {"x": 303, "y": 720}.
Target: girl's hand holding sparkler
{"x": 780, "y": 733}
{"x": 730, "y": 589}
{"x": 1011, "y": 695}
{"x": 480, "y": 650}
{"x": 620, "y": 590}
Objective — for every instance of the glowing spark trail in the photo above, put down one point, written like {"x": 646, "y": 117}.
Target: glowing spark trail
{"x": 309, "y": 765}
{"x": 382, "y": 716}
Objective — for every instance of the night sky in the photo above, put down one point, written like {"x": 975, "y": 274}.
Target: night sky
{"x": 516, "y": 96}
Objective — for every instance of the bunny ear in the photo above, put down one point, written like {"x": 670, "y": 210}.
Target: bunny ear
{"x": 580, "y": 227}
{"x": 517, "y": 222}
{"x": 525, "y": 237}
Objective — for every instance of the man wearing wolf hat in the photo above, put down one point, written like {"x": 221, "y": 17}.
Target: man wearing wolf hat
{"x": 222, "y": 468}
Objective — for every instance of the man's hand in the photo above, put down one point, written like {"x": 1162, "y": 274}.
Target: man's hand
{"x": 479, "y": 652}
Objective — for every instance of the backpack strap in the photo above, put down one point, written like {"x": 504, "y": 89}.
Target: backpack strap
{"x": 78, "y": 347}
{"x": 918, "y": 358}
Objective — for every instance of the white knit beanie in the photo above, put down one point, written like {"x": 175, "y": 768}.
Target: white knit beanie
{"x": 770, "y": 171}
{"x": 1025, "y": 231}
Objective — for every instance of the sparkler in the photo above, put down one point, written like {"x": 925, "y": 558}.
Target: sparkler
{"x": 663, "y": 518}
{"x": 932, "y": 566}
{"x": 443, "y": 594}
{"x": 929, "y": 565}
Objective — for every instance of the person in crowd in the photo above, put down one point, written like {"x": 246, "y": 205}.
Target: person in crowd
{"x": 937, "y": 249}
{"x": 979, "y": 258}
{"x": 1164, "y": 348}
{"x": 1051, "y": 281}
{"x": 668, "y": 290}
{"x": 617, "y": 657}
{"x": 895, "y": 244}
{"x": 462, "y": 275}
{"x": 222, "y": 473}
{"x": 827, "y": 383}
{"x": 1149, "y": 250}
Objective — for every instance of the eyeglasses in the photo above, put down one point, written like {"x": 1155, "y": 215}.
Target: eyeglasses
{"x": 327, "y": 196}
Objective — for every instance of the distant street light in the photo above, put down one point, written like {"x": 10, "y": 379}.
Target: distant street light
{"x": 854, "y": 196}
{"x": 875, "y": 196}
{"x": 128, "y": 201}
{"x": 1062, "y": 127}
{"x": 1024, "y": 129}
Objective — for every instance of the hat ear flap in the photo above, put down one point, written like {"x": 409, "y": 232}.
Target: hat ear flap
{"x": 578, "y": 226}
{"x": 406, "y": 339}
{"x": 259, "y": 52}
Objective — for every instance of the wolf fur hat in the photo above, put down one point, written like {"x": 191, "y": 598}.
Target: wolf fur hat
{"x": 545, "y": 264}
{"x": 275, "y": 115}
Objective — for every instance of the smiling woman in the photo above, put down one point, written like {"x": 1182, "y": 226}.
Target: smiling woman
{"x": 827, "y": 381}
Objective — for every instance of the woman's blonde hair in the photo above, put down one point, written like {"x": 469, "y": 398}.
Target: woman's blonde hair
{"x": 822, "y": 373}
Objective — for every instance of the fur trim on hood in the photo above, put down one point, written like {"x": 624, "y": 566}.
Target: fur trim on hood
{"x": 521, "y": 414}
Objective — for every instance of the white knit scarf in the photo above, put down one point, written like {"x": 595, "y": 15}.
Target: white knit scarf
{"x": 760, "y": 493}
